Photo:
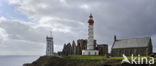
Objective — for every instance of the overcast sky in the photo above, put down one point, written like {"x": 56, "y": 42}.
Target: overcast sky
{"x": 24, "y": 24}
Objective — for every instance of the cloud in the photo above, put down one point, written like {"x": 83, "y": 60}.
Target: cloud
{"x": 17, "y": 37}
{"x": 30, "y": 36}
{"x": 68, "y": 21}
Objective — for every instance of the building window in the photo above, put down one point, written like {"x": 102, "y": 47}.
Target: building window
{"x": 88, "y": 53}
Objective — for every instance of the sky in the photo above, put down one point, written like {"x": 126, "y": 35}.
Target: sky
{"x": 24, "y": 24}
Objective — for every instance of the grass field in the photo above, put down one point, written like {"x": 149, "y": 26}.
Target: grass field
{"x": 79, "y": 60}
{"x": 84, "y": 57}
{"x": 129, "y": 57}
{"x": 98, "y": 57}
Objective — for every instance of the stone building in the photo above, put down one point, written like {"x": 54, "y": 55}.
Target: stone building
{"x": 135, "y": 46}
{"x": 81, "y": 45}
{"x": 60, "y": 53}
{"x": 73, "y": 48}
{"x": 76, "y": 49}
{"x": 67, "y": 50}
{"x": 103, "y": 49}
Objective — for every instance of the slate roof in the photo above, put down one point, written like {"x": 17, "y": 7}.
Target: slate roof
{"x": 132, "y": 43}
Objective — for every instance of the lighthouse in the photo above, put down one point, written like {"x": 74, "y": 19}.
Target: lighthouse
{"x": 90, "y": 43}
{"x": 50, "y": 47}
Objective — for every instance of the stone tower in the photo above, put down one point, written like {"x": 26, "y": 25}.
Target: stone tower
{"x": 90, "y": 45}
{"x": 50, "y": 46}
{"x": 74, "y": 48}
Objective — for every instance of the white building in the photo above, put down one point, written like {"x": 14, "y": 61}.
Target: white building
{"x": 90, "y": 43}
{"x": 50, "y": 46}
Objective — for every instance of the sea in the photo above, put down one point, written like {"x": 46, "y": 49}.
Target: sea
{"x": 17, "y": 60}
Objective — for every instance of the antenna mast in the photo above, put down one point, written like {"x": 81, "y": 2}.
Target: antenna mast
{"x": 50, "y": 33}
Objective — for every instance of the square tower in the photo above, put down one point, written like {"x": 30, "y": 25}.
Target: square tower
{"x": 50, "y": 47}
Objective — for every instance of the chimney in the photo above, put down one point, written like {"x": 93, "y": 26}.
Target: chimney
{"x": 115, "y": 38}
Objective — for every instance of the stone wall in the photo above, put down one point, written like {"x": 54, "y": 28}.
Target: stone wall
{"x": 129, "y": 51}
{"x": 103, "y": 49}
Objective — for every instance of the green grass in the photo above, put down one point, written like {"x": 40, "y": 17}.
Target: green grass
{"x": 97, "y": 57}
{"x": 78, "y": 60}
{"x": 85, "y": 57}
{"x": 129, "y": 57}
{"x": 116, "y": 58}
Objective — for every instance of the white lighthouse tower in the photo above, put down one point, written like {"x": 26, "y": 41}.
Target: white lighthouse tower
{"x": 50, "y": 46}
{"x": 90, "y": 45}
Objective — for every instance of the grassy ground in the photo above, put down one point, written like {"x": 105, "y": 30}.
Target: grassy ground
{"x": 85, "y": 57}
{"x": 99, "y": 57}
{"x": 129, "y": 57}
{"x": 68, "y": 61}
{"x": 78, "y": 61}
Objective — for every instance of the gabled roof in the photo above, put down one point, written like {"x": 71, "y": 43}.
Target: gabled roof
{"x": 132, "y": 43}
